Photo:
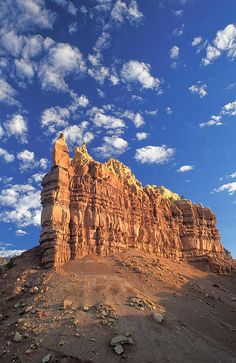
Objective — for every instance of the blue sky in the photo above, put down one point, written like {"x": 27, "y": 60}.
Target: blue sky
{"x": 152, "y": 83}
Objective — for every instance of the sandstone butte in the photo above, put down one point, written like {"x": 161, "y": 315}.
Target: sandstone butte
{"x": 90, "y": 208}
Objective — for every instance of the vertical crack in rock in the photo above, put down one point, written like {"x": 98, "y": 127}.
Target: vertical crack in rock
{"x": 94, "y": 208}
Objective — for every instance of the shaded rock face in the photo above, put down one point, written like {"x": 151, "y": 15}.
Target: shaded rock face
{"x": 94, "y": 208}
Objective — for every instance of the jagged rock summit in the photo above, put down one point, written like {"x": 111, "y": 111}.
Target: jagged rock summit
{"x": 90, "y": 208}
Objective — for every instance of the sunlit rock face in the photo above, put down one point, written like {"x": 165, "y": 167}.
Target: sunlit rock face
{"x": 102, "y": 209}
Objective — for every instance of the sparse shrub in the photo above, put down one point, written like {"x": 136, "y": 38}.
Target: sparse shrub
{"x": 10, "y": 263}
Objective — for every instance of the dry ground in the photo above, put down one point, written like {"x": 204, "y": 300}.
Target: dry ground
{"x": 199, "y": 311}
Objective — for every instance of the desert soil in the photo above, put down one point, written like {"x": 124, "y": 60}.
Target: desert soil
{"x": 72, "y": 314}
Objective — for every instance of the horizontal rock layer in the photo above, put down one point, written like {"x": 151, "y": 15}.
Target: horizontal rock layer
{"x": 102, "y": 209}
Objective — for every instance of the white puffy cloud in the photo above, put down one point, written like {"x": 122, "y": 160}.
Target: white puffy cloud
{"x": 112, "y": 146}
{"x": 54, "y": 118}
{"x": 73, "y": 27}
{"x": 21, "y": 232}
{"x": 25, "y": 14}
{"x": 72, "y": 9}
{"x": 121, "y": 12}
{"x": 178, "y": 32}
{"x": 62, "y": 60}
{"x": 151, "y": 112}
{"x": 20, "y": 204}
{"x": 7, "y": 93}
{"x": 174, "y": 52}
{"x": 24, "y": 69}
{"x": 230, "y": 188}
{"x": 138, "y": 120}
{"x": 103, "y": 42}
{"x": 154, "y": 154}
{"x": 26, "y": 47}
{"x": 212, "y": 54}
{"x": 169, "y": 110}
{"x": 42, "y": 163}
{"x": 225, "y": 41}
{"x": 214, "y": 121}
{"x": 36, "y": 178}
{"x": 179, "y": 13}
{"x": 7, "y": 157}
{"x": 229, "y": 109}
{"x": 10, "y": 253}
{"x": 17, "y": 126}
{"x": 139, "y": 72}
{"x": 185, "y": 168}
{"x": 141, "y": 135}
{"x": 101, "y": 119}
{"x": 196, "y": 41}
{"x": 12, "y": 42}
{"x": 200, "y": 89}
{"x": 1, "y": 131}
{"x": 28, "y": 161}
{"x": 78, "y": 134}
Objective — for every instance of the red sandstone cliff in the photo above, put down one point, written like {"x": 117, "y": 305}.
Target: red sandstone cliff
{"x": 94, "y": 208}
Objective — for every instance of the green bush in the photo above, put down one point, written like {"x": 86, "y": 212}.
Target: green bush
{"x": 10, "y": 263}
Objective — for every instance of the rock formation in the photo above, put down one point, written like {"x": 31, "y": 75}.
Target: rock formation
{"x": 94, "y": 208}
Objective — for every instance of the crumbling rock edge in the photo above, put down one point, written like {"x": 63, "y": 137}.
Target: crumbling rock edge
{"x": 91, "y": 208}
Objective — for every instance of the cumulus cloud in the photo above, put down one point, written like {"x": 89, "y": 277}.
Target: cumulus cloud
{"x": 26, "y": 15}
{"x": 62, "y": 60}
{"x": 200, "y": 89}
{"x": 1, "y": 131}
{"x": 224, "y": 42}
{"x": 141, "y": 135}
{"x": 178, "y": 13}
{"x": 229, "y": 109}
{"x": 7, "y": 93}
{"x": 78, "y": 134}
{"x": 16, "y": 126}
{"x": 185, "y": 168}
{"x": 178, "y": 32}
{"x": 101, "y": 119}
{"x": 154, "y": 154}
{"x": 169, "y": 110}
{"x": 24, "y": 69}
{"x": 10, "y": 253}
{"x": 7, "y": 157}
{"x": 20, "y": 204}
{"x": 112, "y": 146}
{"x": 212, "y": 54}
{"x": 214, "y": 121}
{"x": 230, "y": 188}
{"x": 21, "y": 232}
{"x": 36, "y": 178}
{"x": 121, "y": 12}
{"x": 196, "y": 41}
{"x": 73, "y": 27}
{"x": 54, "y": 118}
{"x": 28, "y": 161}
{"x": 139, "y": 73}
{"x": 174, "y": 52}
{"x": 138, "y": 120}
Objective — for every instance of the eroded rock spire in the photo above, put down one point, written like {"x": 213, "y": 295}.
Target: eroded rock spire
{"x": 94, "y": 208}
